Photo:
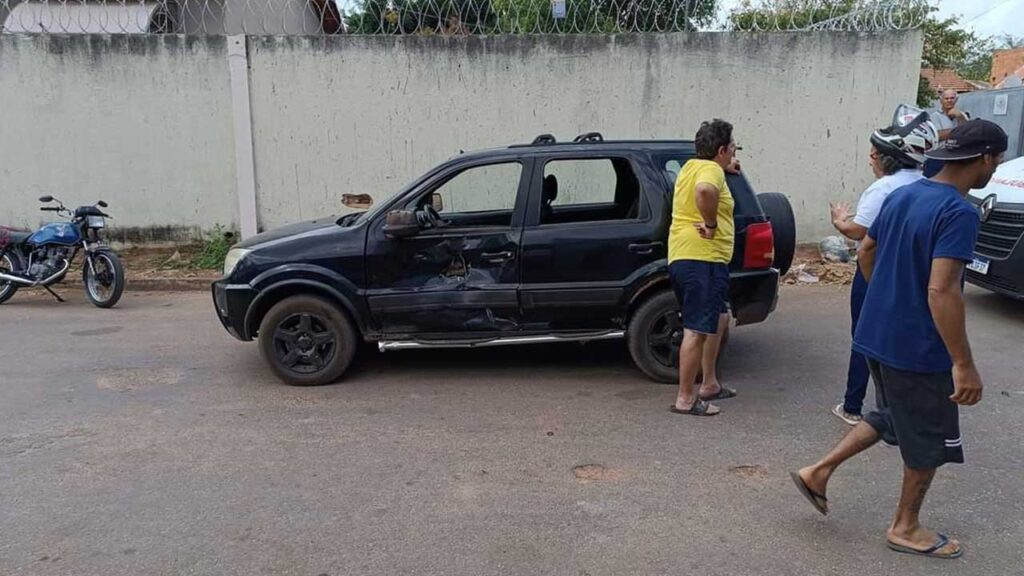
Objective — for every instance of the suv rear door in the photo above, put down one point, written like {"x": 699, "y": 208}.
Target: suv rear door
{"x": 461, "y": 279}
{"x": 595, "y": 226}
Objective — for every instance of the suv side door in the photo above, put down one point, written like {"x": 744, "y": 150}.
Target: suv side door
{"x": 461, "y": 278}
{"x": 595, "y": 228}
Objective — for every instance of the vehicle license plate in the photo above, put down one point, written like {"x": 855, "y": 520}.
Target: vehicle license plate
{"x": 980, "y": 265}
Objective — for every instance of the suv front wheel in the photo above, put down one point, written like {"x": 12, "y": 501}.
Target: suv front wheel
{"x": 307, "y": 341}
{"x": 654, "y": 335}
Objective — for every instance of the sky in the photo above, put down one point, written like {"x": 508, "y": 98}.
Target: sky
{"x": 987, "y": 17}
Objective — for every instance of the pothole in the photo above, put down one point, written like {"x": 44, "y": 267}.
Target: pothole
{"x": 750, "y": 471}
{"x": 589, "y": 473}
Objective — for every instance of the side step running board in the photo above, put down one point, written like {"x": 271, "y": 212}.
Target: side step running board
{"x": 387, "y": 345}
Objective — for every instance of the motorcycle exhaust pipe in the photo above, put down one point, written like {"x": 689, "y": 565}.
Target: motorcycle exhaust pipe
{"x": 30, "y": 283}
{"x": 16, "y": 279}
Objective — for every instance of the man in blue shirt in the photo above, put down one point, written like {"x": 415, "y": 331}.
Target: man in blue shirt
{"x": 912, "y": 330}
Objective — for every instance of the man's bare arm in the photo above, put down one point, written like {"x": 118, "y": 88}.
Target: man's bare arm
{"x": 946, "y": 302}
{"x": 707, "y": 202}
{"x": 851, "y": 230}
{"x": 866, "y": 256}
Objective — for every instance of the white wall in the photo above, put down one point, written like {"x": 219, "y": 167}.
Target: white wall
{"x": 143, "y": 122}
{"x": 366, "y": 114}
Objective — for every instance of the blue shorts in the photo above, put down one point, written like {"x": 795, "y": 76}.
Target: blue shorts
{"x": 702, "y": 289}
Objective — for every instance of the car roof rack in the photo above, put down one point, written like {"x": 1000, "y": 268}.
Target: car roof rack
{"x": 543, "y": 140}
{"x": 588, "y": 137}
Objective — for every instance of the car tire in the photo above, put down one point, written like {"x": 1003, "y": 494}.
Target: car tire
{"x": 780, "y": 213}
{"x": 307, "y": 341}
{"x": 647, "y": 321}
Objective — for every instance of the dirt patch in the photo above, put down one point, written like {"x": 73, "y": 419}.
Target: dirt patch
{"x": 590, "y": 473}
{"x": 810, "y": 268}
{"x": 175, "y": 262}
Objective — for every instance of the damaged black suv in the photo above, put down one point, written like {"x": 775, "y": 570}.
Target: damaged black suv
{"x": 535, "y": 243}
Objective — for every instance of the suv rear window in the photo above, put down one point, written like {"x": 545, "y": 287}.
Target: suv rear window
{"x": 743, "y": 195}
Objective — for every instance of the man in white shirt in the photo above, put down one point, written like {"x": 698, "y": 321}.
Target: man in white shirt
{"x": 896, "y": 161}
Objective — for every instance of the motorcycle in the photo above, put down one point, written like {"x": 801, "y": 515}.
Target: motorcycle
{"x": 42, "y": 258}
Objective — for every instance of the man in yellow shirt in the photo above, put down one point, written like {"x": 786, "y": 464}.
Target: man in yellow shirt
{"x": 700, "y": 244}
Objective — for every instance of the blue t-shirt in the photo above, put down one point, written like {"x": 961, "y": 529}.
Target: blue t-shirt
{"x": 919, "y": 222}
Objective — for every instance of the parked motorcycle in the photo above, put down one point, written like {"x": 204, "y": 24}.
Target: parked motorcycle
{"x": 42, "y": 258}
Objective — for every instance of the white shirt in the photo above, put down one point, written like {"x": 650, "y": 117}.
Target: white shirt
{"x": 870, "y": 203}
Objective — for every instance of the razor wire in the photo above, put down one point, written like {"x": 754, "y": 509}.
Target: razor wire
{"x": 452, "y": 17}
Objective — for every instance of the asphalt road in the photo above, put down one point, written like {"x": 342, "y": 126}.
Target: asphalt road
{"x": 144, "y": 440}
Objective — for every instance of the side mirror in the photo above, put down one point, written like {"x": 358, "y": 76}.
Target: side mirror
{"x": 101, "y": 204}
{"x": 401, "y": 224}
{"x": 437, "y": 201}
{"x": 357, "y": 201}
{"x": 46, "y": 198}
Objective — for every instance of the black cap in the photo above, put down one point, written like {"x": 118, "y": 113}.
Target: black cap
{"x": 969, "y": 140}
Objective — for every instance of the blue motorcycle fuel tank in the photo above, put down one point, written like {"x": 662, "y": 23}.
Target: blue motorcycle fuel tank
{"x": 56, "y": 233}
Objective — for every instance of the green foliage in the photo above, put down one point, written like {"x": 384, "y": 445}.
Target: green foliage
{"x": 430, "y": 17}
{"x": 925, "y": 93}
{"x": 805, "y": 14}
{"x": 213, "y": 249}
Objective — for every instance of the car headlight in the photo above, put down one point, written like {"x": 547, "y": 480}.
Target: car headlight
{"x": 235, "y": 255}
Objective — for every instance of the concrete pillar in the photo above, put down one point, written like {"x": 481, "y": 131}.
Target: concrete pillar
{"x": 245, "y": 165}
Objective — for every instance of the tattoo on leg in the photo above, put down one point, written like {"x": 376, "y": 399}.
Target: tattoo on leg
{"x": 918, "y": 498}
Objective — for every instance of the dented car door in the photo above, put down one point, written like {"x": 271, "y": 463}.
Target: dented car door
{"x": 459, "y": 275}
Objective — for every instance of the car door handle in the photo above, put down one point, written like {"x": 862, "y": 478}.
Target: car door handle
{"x": 646, "y": 248}
{"x": 496, "y": 256}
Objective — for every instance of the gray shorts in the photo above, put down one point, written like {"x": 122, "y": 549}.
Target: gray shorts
{"x": 915, "y": 412}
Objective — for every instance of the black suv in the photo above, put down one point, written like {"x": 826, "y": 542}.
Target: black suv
{"x": 544, "y": 242}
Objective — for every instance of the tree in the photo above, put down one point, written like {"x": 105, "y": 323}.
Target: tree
{"x": 527, "y": 16}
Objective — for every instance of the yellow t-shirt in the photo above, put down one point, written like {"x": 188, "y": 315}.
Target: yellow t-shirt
{"x": 684, "y": 241}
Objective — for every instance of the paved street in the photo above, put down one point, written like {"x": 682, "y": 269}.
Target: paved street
{"x": 144, "y": 440}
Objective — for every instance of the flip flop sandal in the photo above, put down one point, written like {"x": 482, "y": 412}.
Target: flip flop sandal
{"x": 819, "y": 501}
{"x": 699, "y": 408}
{"x": 723, "y": 394}
{"x": 932, "y": 552}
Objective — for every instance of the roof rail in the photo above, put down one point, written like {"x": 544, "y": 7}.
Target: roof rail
{"x": 543, "y": 140}
{"x": 589, "y": 137}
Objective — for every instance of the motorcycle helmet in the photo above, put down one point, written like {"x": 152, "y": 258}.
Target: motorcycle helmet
{"x": 910, "y": 135}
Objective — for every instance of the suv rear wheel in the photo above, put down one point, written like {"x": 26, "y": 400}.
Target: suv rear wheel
{"x": 307, "y": 341}
{"x": 654, "y": 335}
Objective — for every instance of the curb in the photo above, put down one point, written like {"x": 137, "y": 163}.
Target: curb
{"x": 168, "y": 284}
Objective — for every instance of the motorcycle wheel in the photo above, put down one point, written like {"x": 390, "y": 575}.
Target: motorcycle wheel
{"x": 9, "y": 263}
{"x": 104, "y": 280}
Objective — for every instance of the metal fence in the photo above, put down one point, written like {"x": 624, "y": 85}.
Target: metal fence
{"x": 451, "y": 17}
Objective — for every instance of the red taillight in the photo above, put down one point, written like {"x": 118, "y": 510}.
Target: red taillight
{"x": 759, "y": 251}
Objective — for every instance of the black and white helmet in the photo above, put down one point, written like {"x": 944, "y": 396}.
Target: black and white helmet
{"x": 908, "y": 138}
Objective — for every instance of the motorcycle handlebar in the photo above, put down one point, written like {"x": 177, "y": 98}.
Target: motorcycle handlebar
{"x": 50, "y": 209}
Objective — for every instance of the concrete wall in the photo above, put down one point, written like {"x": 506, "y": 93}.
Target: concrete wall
{"x": 143, "y": 122}
{"x": 366, "y": 114}
{"x": 146, "y": 122}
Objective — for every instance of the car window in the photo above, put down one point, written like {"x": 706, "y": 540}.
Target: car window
{"x": 589, "y": 190}
{"x": 488, "y": 191}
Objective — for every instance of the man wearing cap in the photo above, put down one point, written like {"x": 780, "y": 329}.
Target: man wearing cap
{"x": 912, "y": 330}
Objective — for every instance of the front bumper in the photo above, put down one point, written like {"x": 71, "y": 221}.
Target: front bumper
{"x": 1005, "y": 276}
{"x": 231, "y": 302}
{"x": 753, "y": 295}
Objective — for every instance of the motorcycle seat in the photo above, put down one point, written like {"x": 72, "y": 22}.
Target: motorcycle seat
{"x": 13, "y": 236}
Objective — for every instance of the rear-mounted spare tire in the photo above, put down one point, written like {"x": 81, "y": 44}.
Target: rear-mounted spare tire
{"x": 779, "y": 211}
